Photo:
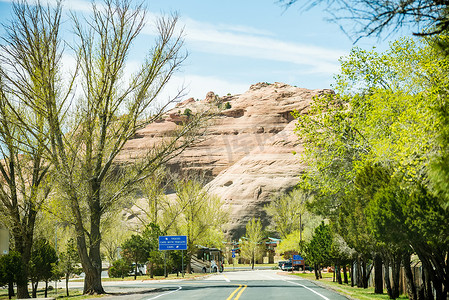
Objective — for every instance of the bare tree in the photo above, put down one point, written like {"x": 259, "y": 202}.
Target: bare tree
{"x": 427, "y": 17}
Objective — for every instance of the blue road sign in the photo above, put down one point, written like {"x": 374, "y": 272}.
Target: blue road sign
{"x": 233, "y": 254}
{"x": 233, "y": 250}
{"x": 173, "y": 242}
{"x": 297, "y": 257}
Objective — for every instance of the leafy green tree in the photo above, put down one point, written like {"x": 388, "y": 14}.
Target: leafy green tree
{"x": 288, "y": 212}
{"x": 318, "y": 250}
{"x": 151, "y": 234}
{"x": 381, "y": 124}
{"x": 113, "y": 235}
{"x": 136, "y": 250}
{"x": 253, "y": 244}
{"x": 68, "y": 263}
{"x": 83, "y": 140}
{"x": 197, "y": 214}
{"x": 11, "y": 265}
{"x": 413, "y": 216}
{"x": 42, "y": 264}
{"x": 25, "y": 170}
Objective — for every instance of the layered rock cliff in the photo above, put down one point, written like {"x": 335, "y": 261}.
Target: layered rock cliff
{"x": 247, "y": 153}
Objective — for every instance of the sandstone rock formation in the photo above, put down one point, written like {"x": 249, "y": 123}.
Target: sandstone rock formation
{"x": 247, "y": 154}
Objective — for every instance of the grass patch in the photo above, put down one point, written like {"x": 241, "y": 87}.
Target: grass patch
{"x": 147, "y": 277}
{"x": 346, "y": 289}
{"x": 74, "y": 294}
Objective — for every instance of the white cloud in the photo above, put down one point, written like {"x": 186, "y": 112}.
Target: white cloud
{"x": 240, "y": 40}
{"x": 245, "y": 41}
{"x": 253, "y": 43}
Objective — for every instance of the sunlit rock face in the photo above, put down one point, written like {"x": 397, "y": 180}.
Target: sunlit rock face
{"x": 247, "y": 154}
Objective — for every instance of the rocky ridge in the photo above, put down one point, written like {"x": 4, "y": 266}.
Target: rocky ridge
{"x": 247, "y": 153}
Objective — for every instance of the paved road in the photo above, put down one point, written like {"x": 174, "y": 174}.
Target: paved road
{"x": 238, "y": 285}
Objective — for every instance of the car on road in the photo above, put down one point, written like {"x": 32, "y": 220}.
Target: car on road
{"x": 287, "y": 266}
{"x": 280, "y": 263}
{"x": 141, "y": 269}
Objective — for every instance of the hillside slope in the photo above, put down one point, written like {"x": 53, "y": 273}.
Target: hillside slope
{"x": 247, "y": 153}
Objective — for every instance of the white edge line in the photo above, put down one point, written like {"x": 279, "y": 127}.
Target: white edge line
{"x": 179, "y": 288}
{"x": 226, "y": 278}
{"x": 324, "y": 297}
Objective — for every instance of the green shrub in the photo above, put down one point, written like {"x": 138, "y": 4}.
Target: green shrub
{"x": 227, "y": 105}
{"x": 187, "y": 112}
{"x": 120, "y": 268}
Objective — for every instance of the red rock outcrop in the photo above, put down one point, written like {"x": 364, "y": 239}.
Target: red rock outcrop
{"x": 248, "y": 151}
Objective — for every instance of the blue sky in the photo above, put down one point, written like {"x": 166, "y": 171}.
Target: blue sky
{"x": 233, "y": 44}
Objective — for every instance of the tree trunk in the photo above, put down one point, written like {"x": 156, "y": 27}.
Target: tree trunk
{"x": 46, "y": 288}
{"x": 34, "y": 289}
{"x": 338, "y": 273}
{"x": 387, "y": 277}
{"x": 345, "y": 274}
{"x": 315, "y": 269}
{"x": 334, "y": 273}
{"x": 319, "y": 271}
{"x": 396, "y": 268}
{"x": 252, "y": 261}
{"x": 359, "y": 273}
{"x": 351, "y": 270}
{"x": 90, "y": 261}
{"x": 10, "y": 289}
{"x": 365, "y": 274}
{"x": 92, "y": 282}
{"x": 23, "y": 244}
{"x": 428, "y": 285}
{"x": 411, "y": 288}
{"x": 22, "y": 288}
{"x": 378, "y": 281}
{"x": 67, "y": 284}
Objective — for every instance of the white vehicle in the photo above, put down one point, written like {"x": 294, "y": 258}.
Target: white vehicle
{"x": 141, "y": 269}
{"x": 207, "y": 260}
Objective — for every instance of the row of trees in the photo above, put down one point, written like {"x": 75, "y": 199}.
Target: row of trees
{"x": 61, "y": 131}
{"x": 374, "y": 153}
{"x": 44, "y": 266}
{"x": 377, "y": 149}
{"x": 191, "y": 211}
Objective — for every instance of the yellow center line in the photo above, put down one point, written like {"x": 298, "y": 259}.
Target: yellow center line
{"x": 233, "y": 293}
{"x": 241, "y": 291}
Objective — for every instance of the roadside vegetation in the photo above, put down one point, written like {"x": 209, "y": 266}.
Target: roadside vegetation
{"x": 374, "y": 199}
{"x": 61, "y": 133}
{"x": 346, "y": 289}
{"x": 377, "y": 155}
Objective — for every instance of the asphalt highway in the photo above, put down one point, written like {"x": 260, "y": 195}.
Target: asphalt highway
{"x": 238, "y": 285}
